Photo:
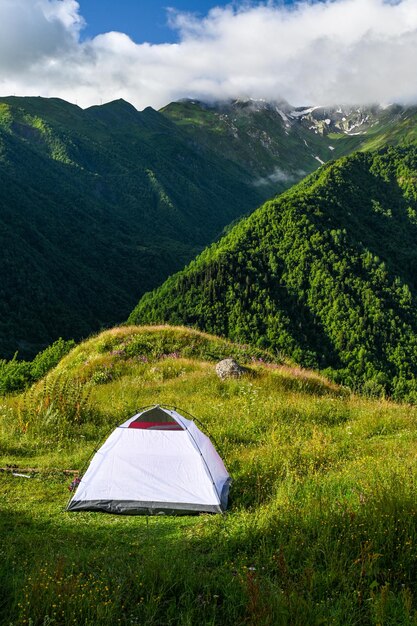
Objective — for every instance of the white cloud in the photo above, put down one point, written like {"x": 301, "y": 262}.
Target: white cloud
{"x": 280, "y": 176}
{"x": 32, "y": 31}
{"x": 337, "y": 51}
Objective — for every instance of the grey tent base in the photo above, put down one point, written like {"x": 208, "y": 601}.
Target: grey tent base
{"x": 132, "y": 507}
{"x": 136, "y": 507}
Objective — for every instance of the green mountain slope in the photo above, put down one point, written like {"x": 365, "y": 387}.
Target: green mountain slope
{"x": 325, "y": 273}
{"x": 99, "y": 206}
{"x": 96, "y": 207}
{"x": 276, "y": 149}
{"x": 368, "y": 128}
{"x": 279, "y": 144}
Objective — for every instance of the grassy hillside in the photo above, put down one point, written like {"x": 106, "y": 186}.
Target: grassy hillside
{"x": 325, "y": 274}
{"x": 399, "y": 129}
{"x": 97, "y": 207}
{"x": 322, "y": 527}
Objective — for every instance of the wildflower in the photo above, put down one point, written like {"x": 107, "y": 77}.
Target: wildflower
{"x": 74, "y": 484}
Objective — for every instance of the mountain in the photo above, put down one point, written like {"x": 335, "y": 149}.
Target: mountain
{"x": 257, "y": 136}
{"x": 324, "y": 273}
{"x": 279, "y": 144}
{"x": 96, "y": 207}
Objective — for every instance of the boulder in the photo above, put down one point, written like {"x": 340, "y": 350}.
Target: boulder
{"x": 229, "y": 368}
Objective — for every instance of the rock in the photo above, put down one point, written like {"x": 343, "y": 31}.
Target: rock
{"x": 228, "y": 368}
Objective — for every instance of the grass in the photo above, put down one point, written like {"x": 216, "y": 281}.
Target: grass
{"x": 322, "y": 527}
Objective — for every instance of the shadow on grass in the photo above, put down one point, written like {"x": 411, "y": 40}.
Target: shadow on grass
{"x": 104, "y": 569}
{"x": 26, "y": 449}
{"x": 327, "y": 554}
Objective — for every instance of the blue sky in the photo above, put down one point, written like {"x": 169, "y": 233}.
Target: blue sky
{"x": 142, "y": 20}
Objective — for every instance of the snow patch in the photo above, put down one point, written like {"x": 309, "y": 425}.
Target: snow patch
{"x": 282, "y": 114}
{"x": 303, "y": 112}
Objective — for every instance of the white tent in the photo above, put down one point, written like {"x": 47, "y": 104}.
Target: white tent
{"x": 156, "y": 462}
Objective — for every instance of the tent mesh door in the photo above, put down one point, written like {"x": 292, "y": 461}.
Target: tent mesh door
{"x": 155, "y": 419}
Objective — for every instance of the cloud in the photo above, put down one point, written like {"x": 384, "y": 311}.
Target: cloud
{"x": 31, "y": 31}
{"x": 336, "y": 51}
{"x": 279, "y": 176}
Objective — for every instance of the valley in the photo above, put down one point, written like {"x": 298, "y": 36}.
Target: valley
{"x": 99, "y": 206}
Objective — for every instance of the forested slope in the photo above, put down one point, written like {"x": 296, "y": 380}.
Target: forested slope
{"x": 96, "y": 207}
{"x": 324, "y": 273}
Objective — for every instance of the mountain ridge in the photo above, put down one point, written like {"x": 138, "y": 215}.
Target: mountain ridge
{"x": 70, "y": 180}
{"x": 110, "y": 200}
{"x": 325, "y": 274}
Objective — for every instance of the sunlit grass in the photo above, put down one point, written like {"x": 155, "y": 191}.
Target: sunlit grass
{"x": 322, "y": 527}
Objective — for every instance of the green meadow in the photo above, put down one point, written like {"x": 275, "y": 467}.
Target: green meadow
{"x": 322, "y": 523}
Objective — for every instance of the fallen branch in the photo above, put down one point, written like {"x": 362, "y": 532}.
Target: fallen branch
{"x": 13, "y": 469}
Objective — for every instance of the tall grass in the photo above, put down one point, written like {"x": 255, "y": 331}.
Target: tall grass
{"x": 322, "y": 527}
